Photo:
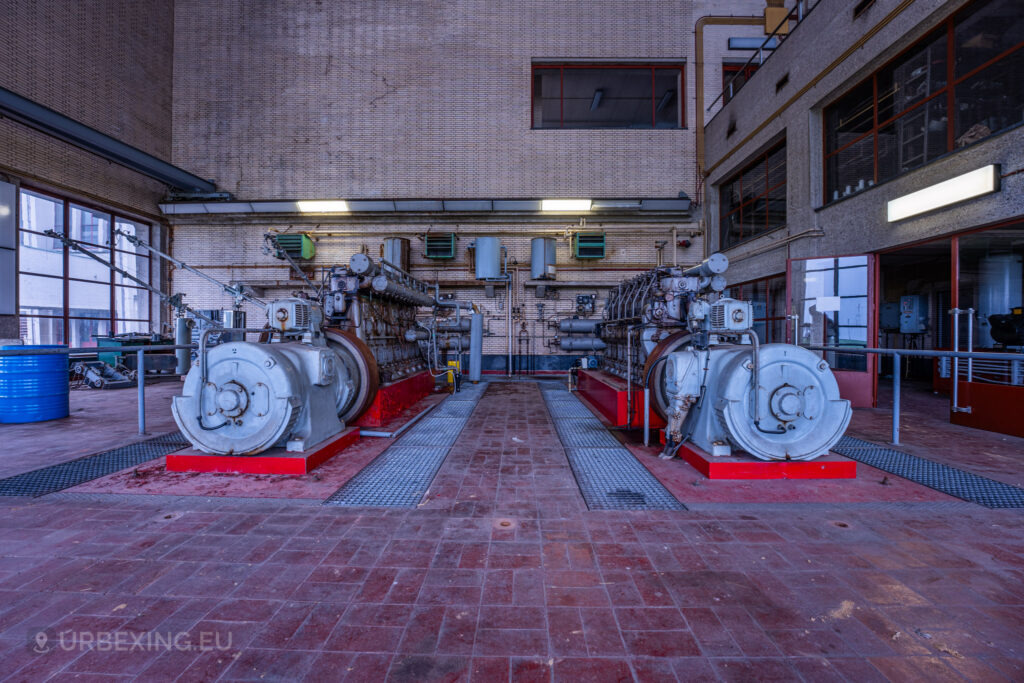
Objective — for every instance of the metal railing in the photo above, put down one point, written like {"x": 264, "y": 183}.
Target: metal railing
{"x": 898, "y": 354}
{"x": 140, "y": 378}
{"x": 800, "y": 10}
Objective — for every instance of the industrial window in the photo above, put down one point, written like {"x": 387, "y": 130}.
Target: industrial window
{"x": 899, "y": 118}
{"x": 607, "y": 96}
{"x": 768, "y": 297}
{"x": 734, "y": 76}
{"x": 753, "y": 201}
{"x": 66, "y": 297}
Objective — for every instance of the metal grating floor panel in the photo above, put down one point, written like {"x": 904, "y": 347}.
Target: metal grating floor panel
{"x": 74, "y": 472}
{"x": 400, "y": 476}
{"x": 609, "y": 477}
{"x": 584, "y": 434}
{"x": 568, "y": 410}
{"x": 948, "y": 480}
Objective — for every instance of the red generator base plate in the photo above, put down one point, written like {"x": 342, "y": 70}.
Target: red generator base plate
{"x": 830, "y": 466}
{"x": 608, "y": 394}
{"x": 273, "y": 461}
{"x": 394, "y": 398}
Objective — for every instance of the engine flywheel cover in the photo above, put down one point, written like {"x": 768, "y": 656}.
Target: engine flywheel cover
{"x": 363, "y": 369}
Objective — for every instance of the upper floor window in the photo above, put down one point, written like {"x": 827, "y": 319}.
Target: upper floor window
{"x": 753, "y": 201}
{"x": 899, "y": 118}
{"x": 607, "y": 96}
{"x": 734, "y": 76}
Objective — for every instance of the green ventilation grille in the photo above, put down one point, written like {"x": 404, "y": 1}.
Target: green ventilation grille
{"x": 588, "y": 244}
{"x": 296, "y": 245}
{"x": 440, "y": 245}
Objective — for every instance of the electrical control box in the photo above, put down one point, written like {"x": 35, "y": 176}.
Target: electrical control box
{"x": 913, "y": 314}
{"x": 889, "y": 317}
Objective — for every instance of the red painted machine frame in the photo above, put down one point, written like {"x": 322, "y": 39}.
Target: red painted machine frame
{"x": 392, "y": 399}
{"x": 746, "y": 467}
{"x": 608, "y": 395}
{"x": 273, "y": 461}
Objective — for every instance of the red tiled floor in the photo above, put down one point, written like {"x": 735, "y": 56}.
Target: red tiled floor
{"x": 503, "y": 574}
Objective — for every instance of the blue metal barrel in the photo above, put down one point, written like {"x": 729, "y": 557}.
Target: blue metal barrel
{"x": 33, "y": 388}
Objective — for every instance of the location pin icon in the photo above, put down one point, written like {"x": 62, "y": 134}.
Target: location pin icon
{"x": 41, "y": 639}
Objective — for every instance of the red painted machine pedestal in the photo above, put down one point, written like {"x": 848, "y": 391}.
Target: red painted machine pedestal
{"x": 830, "y": 466}
{"x": 608, "y": 394}
{"x": 393, "y": 398}
{"x": 273, "y": 461}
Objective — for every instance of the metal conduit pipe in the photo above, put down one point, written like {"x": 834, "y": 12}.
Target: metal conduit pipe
{"x": 476, "y": 346}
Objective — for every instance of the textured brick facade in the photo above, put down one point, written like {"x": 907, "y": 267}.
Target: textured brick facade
{"x": 426, "y": 99}
{"x": 104, "y": 63}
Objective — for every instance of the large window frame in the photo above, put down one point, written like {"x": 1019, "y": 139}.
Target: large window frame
{"x": 739, "y": 196}
{"x": 652, "y": 67}
{"x": 109, "y": 316}
{"x": 884, "y": 114}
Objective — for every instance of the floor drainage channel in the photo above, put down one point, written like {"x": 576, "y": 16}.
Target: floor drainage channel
{"x": 400, "y": 476}
{"x": 74, "y": 472}
{"x": 948, "y": 480}
{"x": 608, "y": 475}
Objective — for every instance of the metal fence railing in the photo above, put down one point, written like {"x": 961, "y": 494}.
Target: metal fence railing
{"x": 778, "y": 34}
{"x": 139, "y": 352}
{"x": 898, "y": 354}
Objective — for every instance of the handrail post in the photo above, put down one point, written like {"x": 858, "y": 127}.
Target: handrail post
{"x": 896, "y": 374}
{"x": 140, "y": 378}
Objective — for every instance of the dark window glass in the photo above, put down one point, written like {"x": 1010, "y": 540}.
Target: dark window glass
{"x": 738, "y": 75}
{"x": 990, "y": 100}
{"x": 607, "y": 97}
{"x": 667, "y": 86}
{"x": 850, "y": 117}
{"x": 547, "y": 98}
{"x": 754, "y": 200}
{"x": 985, "y": 31}
{"x": 913, "y": 77}
{"x": 851, "y": 169}
{"x": 914, "y": 99}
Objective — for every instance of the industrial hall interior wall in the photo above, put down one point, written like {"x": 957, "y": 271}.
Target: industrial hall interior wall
{"x": 372, "y": 100}
{"x": 108, "y": 65}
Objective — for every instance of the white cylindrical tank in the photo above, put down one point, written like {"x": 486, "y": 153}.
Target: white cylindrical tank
{"x": 248, "y": 397}
{"x": 542, "y": 258}
{"x": 487, "y": 258}
{"x": 1000, "y": 280}
{"x": 396, "y": 252}
{"x": 798, "y": 415}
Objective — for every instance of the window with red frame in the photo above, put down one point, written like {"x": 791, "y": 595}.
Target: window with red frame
{"x": 738, "y": 75}
{"x": 959, "y": 84}
{"x": 607, "y": 96}
{"x": 768, "y": 296}
{"x": 66, "y": 297}
{"x": 753, "y": 201}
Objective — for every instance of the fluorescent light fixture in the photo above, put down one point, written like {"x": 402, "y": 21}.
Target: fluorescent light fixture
{"x": 323, "y": 206}
{"x": 967, "y": 186}
{"x": 563, "y": 205}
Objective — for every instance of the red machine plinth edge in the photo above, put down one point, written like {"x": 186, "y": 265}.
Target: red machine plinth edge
{"x": 830, "y": 466}
{"x": 392, "y": 399}
{"x": 609, "y": 395}
{"x": 273, "y": 461}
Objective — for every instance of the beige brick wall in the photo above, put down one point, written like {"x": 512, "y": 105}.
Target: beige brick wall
{"x": 105, "y": 63}
{"x": 414, "y": 99}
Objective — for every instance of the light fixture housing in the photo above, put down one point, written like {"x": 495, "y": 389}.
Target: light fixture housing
{"x": 973, "y": 184}
{"x": 322, "y": 206}
{"x": 565, "y": 205}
